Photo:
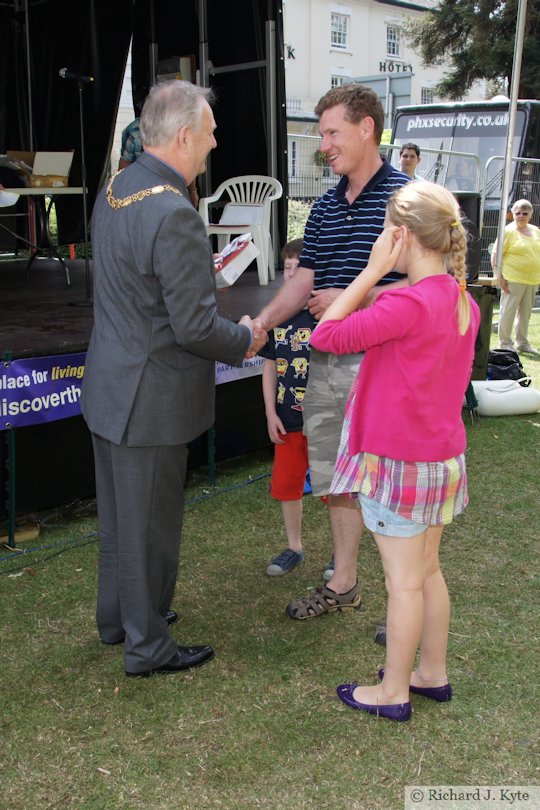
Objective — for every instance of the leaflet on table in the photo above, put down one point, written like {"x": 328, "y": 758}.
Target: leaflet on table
{"x": 234, "y": 259}
{"x": 16, "y": 165}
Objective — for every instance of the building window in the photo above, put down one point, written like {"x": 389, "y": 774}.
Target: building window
{"x": 337, "y": 81}
{"x": 392, "y": 40}
{"x": 426, "y": 95}
{"x": 293, "y": 159}
{"x": 294, "y": 105}
{"x": 339, "y": 31}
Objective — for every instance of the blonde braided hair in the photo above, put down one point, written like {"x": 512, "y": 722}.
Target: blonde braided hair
{"x": 458, "y": 268}
{"x": 431, "y": 213}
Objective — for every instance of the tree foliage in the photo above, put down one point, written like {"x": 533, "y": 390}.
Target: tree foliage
{"x": 298, "y": 214}
{"x": 474, "y": 40}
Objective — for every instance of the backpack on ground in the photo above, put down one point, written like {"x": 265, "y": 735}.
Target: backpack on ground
{"x": 505, "y": 364}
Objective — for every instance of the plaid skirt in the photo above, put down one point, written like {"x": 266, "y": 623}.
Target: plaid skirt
{"x": 430, "y": 492}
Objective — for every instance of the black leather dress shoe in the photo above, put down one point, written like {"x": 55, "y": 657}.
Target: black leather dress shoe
{"x": 185, "y": 658}
{"x": 171, "y": 617}
{"x": 112, "y": 643}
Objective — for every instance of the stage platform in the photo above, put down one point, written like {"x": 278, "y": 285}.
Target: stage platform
{"x": 40, "y": 317}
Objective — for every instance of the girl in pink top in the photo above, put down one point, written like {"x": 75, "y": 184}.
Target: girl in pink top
{"x": 403, "y": 440}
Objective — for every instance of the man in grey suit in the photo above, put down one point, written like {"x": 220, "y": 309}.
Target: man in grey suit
{"x": 149, "y": 381}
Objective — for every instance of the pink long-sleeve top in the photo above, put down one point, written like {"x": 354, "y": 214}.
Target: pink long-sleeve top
{"x": 415, "y": 372}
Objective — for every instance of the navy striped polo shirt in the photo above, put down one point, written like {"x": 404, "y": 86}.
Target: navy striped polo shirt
{"x": 338, "y": 237}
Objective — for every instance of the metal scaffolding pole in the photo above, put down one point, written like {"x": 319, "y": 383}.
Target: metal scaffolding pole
{"x": 514, "y": 91}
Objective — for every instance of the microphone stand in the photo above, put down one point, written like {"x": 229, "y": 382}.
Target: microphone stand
{"x": 88, "y": 302}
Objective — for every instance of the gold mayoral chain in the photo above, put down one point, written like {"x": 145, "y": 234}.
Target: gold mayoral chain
{"x": 139, "y": 195}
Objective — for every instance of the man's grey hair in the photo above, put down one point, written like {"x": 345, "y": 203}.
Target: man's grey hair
{"x": 169, "y": 106}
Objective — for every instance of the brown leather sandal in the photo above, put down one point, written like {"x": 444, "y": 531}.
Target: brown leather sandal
{"x": 324, "y": 600}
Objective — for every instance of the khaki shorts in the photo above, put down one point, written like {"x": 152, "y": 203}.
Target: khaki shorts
{"x": 327, "y": 392}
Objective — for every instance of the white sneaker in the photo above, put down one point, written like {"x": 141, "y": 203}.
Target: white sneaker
{"x": 328, "y": 572}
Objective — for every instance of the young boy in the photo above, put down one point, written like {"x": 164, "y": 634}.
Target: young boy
{"x": 284, "y": 379}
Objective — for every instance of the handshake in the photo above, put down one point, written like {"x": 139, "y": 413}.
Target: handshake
{"x": 260, "y": 336}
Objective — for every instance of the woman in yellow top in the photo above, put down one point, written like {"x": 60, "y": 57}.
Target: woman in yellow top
{"x": 519, "y": 277}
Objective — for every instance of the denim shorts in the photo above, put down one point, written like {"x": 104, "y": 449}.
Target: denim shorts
{"x": 380, "y": 520}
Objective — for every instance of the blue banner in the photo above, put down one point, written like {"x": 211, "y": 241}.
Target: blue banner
{"x": 40, "y": 389}
{"x": 44, "y": 389}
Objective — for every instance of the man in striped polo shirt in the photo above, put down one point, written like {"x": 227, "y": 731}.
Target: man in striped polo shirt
{"x": 340, "y": 232}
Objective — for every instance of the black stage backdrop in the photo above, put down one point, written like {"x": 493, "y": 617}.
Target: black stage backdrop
{"x": 40, "y": 110}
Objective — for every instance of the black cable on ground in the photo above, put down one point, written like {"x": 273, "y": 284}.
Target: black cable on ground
{"x": 66, "y": 545}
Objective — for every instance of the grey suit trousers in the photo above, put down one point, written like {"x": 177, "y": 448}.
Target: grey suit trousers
{"x": 140, "y": 497}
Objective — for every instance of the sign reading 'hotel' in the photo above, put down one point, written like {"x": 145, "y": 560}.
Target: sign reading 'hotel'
{"x": 394, "y": 67}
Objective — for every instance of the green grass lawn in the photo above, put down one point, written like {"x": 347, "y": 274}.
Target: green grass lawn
{"x": 260, "y": 726}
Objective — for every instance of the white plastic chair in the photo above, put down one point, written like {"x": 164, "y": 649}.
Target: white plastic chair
{"x": 248, "y": 211}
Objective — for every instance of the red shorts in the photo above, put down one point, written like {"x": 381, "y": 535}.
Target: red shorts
{"x": 290, "y": 467}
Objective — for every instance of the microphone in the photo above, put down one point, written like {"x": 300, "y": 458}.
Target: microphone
{"x": 77, "y": 77}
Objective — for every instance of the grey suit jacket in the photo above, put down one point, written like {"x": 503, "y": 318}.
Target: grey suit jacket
{"x": 150, "y": 371}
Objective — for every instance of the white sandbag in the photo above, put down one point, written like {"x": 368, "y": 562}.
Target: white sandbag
{"x": 505, "y": 398}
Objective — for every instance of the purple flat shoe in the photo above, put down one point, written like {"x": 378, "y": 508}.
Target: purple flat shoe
{"x": 439, "y": 693}
{"x": 394, "y": 711}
